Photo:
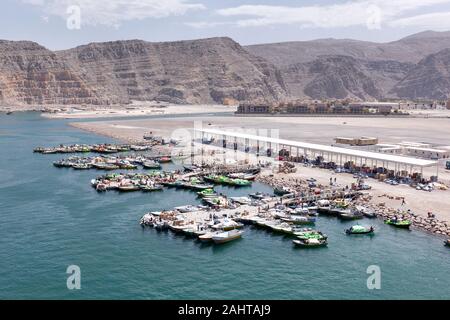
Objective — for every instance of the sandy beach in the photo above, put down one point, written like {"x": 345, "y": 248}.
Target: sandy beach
{"x": 136, "y": 110}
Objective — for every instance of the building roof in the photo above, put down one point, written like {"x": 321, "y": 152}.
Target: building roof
{"x": 329, "y": 149}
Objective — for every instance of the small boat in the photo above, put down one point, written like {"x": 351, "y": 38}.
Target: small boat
{"x": 281, "y": 191}
{"x": 227, "y": 236}
{"x": 188, "y": 208}
{"x": 283, "y": 227}
{"x": 200, "y": 186}
{"x": 82, "y": 166}
{"x": 240, "y": 182}
{"x": 165, "y": 159}
{"x": 399, "y": 223}
{"x": 368, "y": 213}
{"x": 310, "y": 243}
{"x": 207, "y": 237}
{"x": 161, "y": 225}
{"x": 306, "y": 234}
{"x": 207, "y": 193}
{"x": 105, "y": 166}
{"x": 350, "y": 214}
{"x": 258, "y": 195}
{"x": 151, "y": 165}
{"x": 241, "y": 200}
{"x": 357, "y": 229}
{"x": 149, "y": 188}
{"x": 128, "y": 187}
{"x": 299, "y": 219}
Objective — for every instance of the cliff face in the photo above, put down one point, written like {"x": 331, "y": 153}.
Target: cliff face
{"x": 217, "y": 69}
{"x": 33, "y": 75}
{"x": 430, "y": 79}
{"x": 199, "y": 71}
{"x": 328, "y": 68}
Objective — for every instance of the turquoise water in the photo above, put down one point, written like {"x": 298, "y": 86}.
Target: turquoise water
{"x": 51, "y": 218}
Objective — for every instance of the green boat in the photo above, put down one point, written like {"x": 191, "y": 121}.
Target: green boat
{"x": 239, "y": 182}
{"x": 310, "y": 234}
{"x": 356, "y": 229}
{"x": 399, "y": 223}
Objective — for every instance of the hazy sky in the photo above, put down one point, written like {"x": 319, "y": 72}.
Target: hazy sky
{"x": 54, "y": 23}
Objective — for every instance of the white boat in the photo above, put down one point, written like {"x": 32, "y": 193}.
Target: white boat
{"x": 241, "y": 200}
{"x": 227, "y": 236}
{"x": 188, "y": 208}
{"x": 206, "y": 237}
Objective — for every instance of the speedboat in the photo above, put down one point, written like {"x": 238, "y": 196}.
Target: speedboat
{"x": 227, "y": 236}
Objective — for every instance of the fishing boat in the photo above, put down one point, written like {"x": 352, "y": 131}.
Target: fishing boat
{"x": 239, "y": 182}
{"x": 299, "y": 219}
{"x": 306, "y": 234}
{"x": 242, "y": 175}
{"x": 207, "y": 193}
{"x": 187, "y": 208}
{"x": 62, "y": 164}
{"x": 161, "y": 225}
{"x": 82, "y": 166}
{"x": 216, "y": 202}
{"x": 127, "y": 166}
{"x": 149, "y": 188}
{"x": 105, "y": 166}
{"x": 310, "y": 243}
{"x": 399, "y": 223}
{"x": 283, "y": 227}
{"x": 199, "y": 186}
{"x": 207, "y": 237}
{"x": 151, "y": 165}
{"x": 258, "y": 195}
{"x": 368, "y": 213}
{"x": 128, "y": 187}
{"x": 165, "y": 159}
{"x": 350, "y": 214}
{"x": 357, "y": 229}
{"x": 227, "y": 236}
{"x": 241, "y": 200}
{"x": 281, "y": 191}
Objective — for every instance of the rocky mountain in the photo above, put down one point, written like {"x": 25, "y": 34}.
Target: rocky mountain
{"x": 31, "y": 74}
{"x": 430, "y": 79}
{"x": 198, "y": 71}
{"x": 217, "y": 69}
{"x": 331, "y": 68}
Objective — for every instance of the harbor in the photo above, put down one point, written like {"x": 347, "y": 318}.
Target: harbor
{"x": 71, "y": 215}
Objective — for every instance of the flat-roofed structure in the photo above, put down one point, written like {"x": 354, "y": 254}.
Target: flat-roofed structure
{"x": 338, "y": 155}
